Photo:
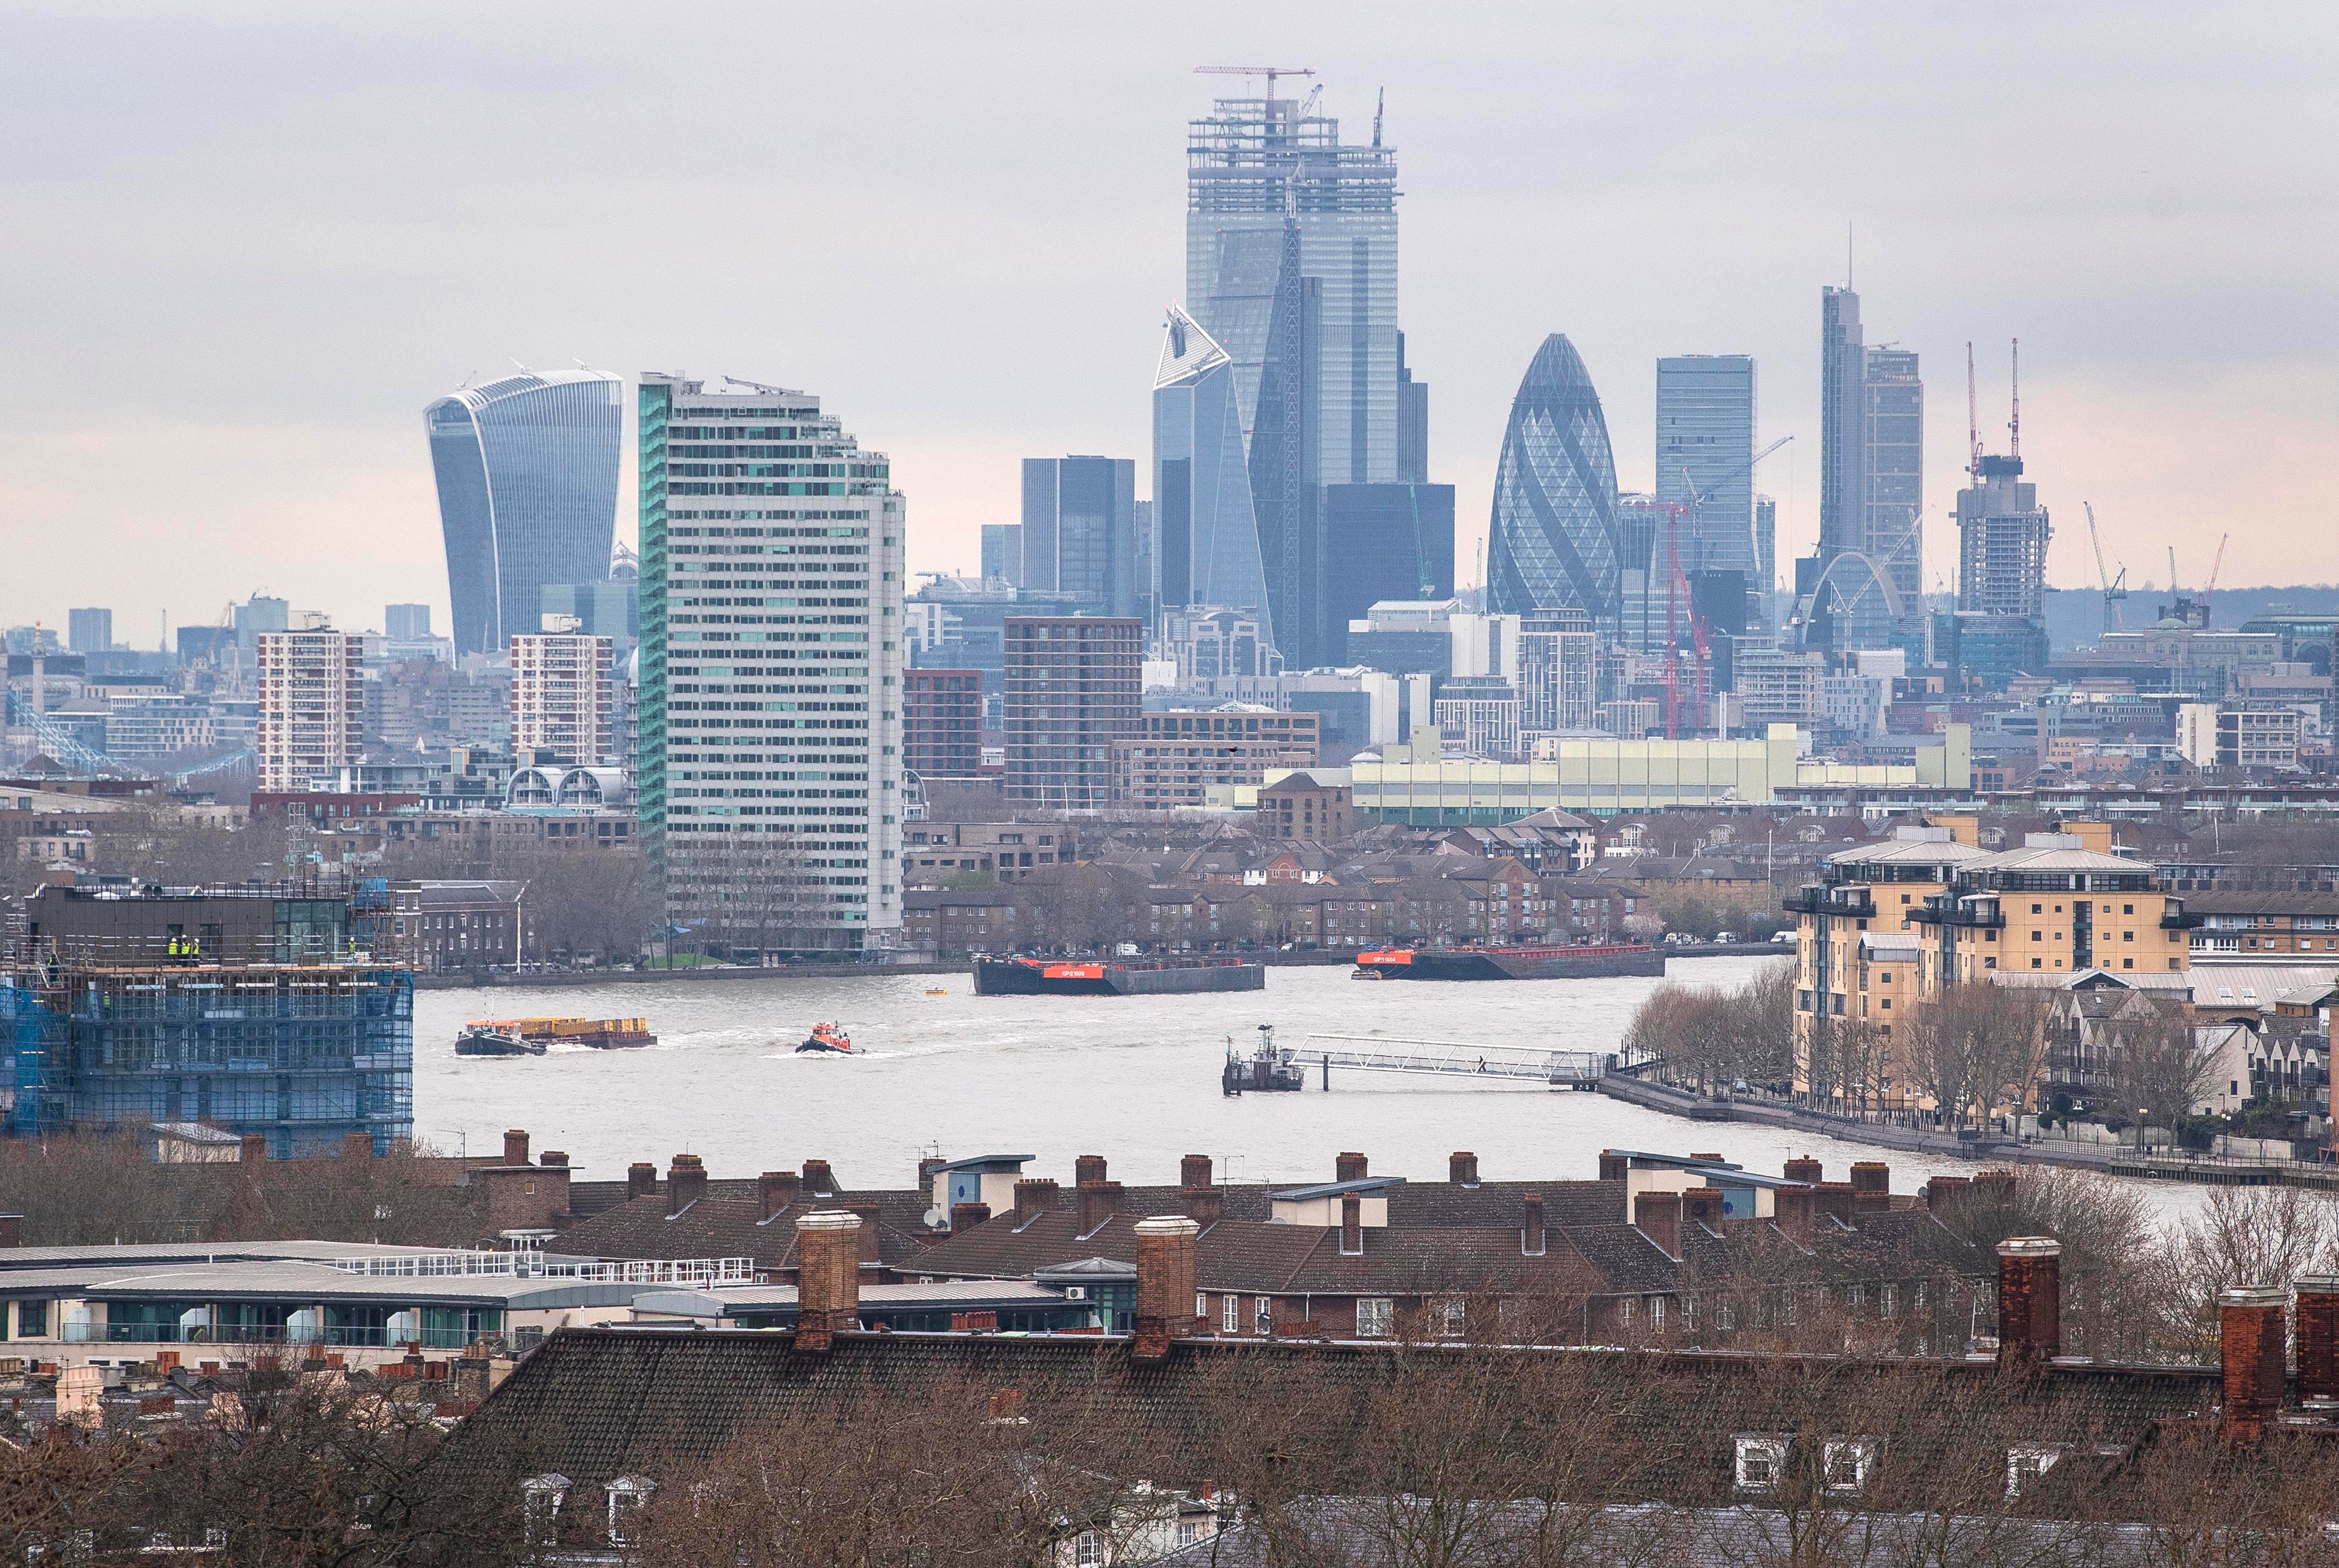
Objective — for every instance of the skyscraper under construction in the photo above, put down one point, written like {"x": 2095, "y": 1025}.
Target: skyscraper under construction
{"x": 1864, "y": 587}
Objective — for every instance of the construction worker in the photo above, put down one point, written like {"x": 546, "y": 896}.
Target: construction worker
{"x": 174, "y": 950}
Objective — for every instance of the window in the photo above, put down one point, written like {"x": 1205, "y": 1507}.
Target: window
{"x": 1759, "y": 1462}
{"x": 2024, "y": 1467}
{"x": 31, "y": 1319}
{"x": 1230, "y": 1313}
{"x": 1656, "y": 1315}
{"x": 1373, "y": 1316}
{"x": 1262, "y": 1314}
{"x": 540, "y": 1500}
{"x": 1457, "y": 1316}
{"x": 1202, "y": 1306}
{"x": 1189, "y": 1533}
{"x": 1088, "y": 1550}
{"x": 1845, "y": 1463}
{"x": 627, "y": 1494}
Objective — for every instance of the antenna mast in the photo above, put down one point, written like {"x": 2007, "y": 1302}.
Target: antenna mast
{"x": 2014, "y": 425}
{"x": 1380, "y": 102}
{"x": 1973, "y": 422}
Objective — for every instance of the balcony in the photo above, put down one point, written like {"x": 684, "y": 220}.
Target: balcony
{"x": 1850, "y": 902}
{"x": 1977, "y": 912}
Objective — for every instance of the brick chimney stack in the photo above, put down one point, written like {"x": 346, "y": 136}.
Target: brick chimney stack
{"x": 1531, "y": 1225}
{"x": 774, "y": 1190}
{"x": 1205, "y": 1205}
{"x": 818, "y": 1180}
{"x": 1194, "y": 1171}
{"x": 641, "y": 1178}
{"x": 1794, "y": 1211}
{"x": 1833, "y": 1198}
{"x": 515, "y": 1146}
{"x": 1613, "y": 1165}
{"x": 1348, "y": 1167}
{"x": 1033, "y": 1198}
{"x": 1164, "y": 1284}
{"x": 1462, "y": 1168}
{"x": 828, "y": 1276}
{"x": 2318, "y": 1337}
{"x": 1088, "y": 1168}
{"x": 2029, "y": 1300}
{"x": 554, "y": 1158}
{"x": 871, "y": 1251}
{"x": 927, "y": 1165}
{"x": 685, "y": 1183}
{"x": 2250, "y": 1338}
{"x": 1352, "y": 1226}
{"x": 1099, "y": 1202}
{"x": 967, "y": 1216}
{"x": 1945, "y": 1196}
{"x": 1805, "y": 1170}
{"x": 1871, "y": 1186}
{"x": 1703, "y": 1205}
{"x": 1657, "y": 1216}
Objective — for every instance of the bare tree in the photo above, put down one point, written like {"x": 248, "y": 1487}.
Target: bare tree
{"x": 2159, "y": 1067}
{"x": 1974, "y": 1047}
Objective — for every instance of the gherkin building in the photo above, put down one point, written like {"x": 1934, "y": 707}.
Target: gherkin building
{"x": 1555, "y": 540}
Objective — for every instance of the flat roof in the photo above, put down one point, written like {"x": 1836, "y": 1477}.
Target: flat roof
{"x": 971, "y": 1295}
{"x": 986, "y": 1161}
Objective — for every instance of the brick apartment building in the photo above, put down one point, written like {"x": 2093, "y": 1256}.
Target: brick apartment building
{"x": 1178, "y": 757}
{"x": 942, "y": 722}
{"x": 1074, "y": 686}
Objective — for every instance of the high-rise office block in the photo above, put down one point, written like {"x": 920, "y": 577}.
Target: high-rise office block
{"x": 1285, "y": 485}
{"x": 1002, "y": 552}
{"x": 1251, "y": 164}
{"x": 768, "y": 715}
{"x": 528, "y": 493}
{"x": 1865, "y": 583}
{"x": 564, "y": 695}
{"x": 406, "y": 623}
{"x": 1079, "y": 532}
{"x": 1074, "y": 687}
{"x": 1205, "y": 533}
{"x": 1766, "y": 557}
{"x": 261, "y": 614}
{"x": 311, "y": 705}
{"x": 1386, "y": 542}
{"x": 1554, "y": 539}
{"x": 1705, "y": 463}
{"x": 2002, "y": 534}
{"x": 89, "y": 631}
{"x": 942, "y": 722}
{"x": 611, "y": 609}
{"x": 1412, "y": 422}
{"x": 1558, "y": 664}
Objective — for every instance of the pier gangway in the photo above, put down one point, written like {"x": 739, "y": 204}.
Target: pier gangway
{"x": 1452, "y": 1059}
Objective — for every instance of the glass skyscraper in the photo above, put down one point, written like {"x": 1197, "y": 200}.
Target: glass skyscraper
{"x": 1864, "y": 587}
{"x": 1250, "y": 166}
{"x": 1705, "y": 465}
{"x": 1205, "y": 534}
{"x": 769, "y": 729}
{"x": 528, "y": 494}
{"x": 1078, "y": 533}
{"x": 1555, "y": 539}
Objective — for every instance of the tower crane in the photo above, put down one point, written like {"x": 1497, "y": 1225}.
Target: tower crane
{"x": 2218, "y": 562}
{"x": 1269, "y": 71}
{"x": 2115, "y": 588}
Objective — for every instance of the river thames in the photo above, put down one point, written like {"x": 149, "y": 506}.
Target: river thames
{"x": 1135, "y": 1079}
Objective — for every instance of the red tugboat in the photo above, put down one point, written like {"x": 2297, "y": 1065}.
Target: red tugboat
{"x": 829, "y": 1039}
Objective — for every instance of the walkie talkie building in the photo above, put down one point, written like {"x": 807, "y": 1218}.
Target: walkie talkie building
{"x": 528, "y": 494}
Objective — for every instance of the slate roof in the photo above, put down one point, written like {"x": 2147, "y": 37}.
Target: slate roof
{"x": 727, "y": 1223}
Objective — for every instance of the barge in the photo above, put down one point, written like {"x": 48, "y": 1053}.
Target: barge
{"x": 1114, "y": 976}
{"x": 1509, "y": 962}
{"x": 530, "y": 1036}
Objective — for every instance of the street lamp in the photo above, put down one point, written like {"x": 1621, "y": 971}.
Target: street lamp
{"x": 2141, "y": 1112}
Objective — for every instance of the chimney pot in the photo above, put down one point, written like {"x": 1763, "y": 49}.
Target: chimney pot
{"x": 828, "y": 1276}
{"x": 1348, "y": 1167}
{"x": 774, "y": 1190}
{"x": 2251, "y": 1344}
{"x": 818, "y": 1180}
{"x": 1657, "y": 1216}
{"x": 1033, "y": 1198}
{"x": 1352, "y": 1226}
{"x": 967, "y": 1216}
{"x": 1531, "y": 1238}
{"x": 1164, "y": 1284}
{"x": 641, "y": 1178}
{"x": 2029, "y": 1300}
{"x": 515, "y": 1146}
{"x": 1194, "y": 1171}
{"x": 1462, "y": 1168}
{"x": 2318, "y": 1337}
{"x": 1088, "y": 1168}
{"x": 1099, "y": 1202}
{"x": 1805, "y": 1170}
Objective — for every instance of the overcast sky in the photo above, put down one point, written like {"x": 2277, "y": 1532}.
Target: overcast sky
{"x": 245, "y": 246}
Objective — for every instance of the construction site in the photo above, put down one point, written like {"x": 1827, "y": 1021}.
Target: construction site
{"x": 246, "y": 1012}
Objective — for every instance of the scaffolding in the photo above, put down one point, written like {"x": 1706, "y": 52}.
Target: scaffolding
{"x": 303, "y": 1055}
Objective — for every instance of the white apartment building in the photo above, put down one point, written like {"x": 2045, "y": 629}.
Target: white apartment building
{"x": 564, "y": 694}
{"x": 312, "y": 704}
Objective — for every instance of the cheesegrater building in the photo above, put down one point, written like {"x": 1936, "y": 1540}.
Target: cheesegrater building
{"x": 770, "y": 735}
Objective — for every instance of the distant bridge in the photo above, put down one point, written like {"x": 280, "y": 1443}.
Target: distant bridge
{"x": 1452, "y": 1059}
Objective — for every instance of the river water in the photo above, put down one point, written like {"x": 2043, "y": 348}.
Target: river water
{"x": 1135, "y": 1079}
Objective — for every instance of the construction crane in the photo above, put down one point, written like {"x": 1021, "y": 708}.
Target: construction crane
{"x": 2014, "y": 424}
{"x": 1973, "y": 422}
{"x": 2214, "y": 567}
{"x": 1269, "y": 71}
{"x": 2115, "y": 588}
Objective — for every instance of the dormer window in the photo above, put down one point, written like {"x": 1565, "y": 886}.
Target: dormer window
{"x": 541, "y": 1497}
{"x": 627, "y": 1494}
{"x": 2025, "y": 1467}
{"x": 1759, "y": 1462}
{"x": 1846, "y": 1462}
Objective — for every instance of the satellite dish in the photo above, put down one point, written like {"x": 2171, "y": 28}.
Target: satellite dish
{"x": 937, "y": 1220}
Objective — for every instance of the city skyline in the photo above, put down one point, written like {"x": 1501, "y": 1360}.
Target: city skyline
{"x": 2179, "y": 405}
